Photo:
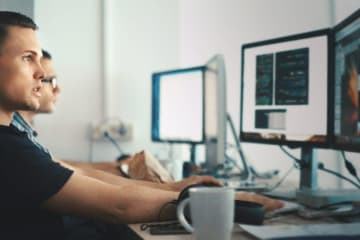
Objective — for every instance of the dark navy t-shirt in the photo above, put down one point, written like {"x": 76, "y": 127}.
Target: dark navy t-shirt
{"x": 28, "y": 177}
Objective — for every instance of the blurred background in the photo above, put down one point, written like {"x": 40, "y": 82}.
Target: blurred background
{"x": 105, "y": 51}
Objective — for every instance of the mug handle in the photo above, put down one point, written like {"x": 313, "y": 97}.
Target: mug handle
{"x": 181, "y": 217}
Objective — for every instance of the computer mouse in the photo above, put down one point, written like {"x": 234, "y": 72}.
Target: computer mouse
{"x": 249, "y": 212}
{"x": 244, "y": 211}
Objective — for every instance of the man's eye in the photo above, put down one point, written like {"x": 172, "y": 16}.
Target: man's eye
{"x": 27, "y": 58}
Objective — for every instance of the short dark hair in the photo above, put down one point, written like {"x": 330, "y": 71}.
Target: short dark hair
{"x": 8, "y": 19}
{"x": 46, "y": 54}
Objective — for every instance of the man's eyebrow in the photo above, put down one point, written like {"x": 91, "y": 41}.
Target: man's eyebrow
{"x": 33, "y": 53}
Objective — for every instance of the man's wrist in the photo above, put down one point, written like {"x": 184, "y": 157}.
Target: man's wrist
{"x": 173, "y": 186}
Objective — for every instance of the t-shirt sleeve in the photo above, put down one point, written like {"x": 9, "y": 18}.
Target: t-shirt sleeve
{"x": 28, "y": 175}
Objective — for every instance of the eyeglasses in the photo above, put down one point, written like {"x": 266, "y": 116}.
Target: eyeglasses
{"x": 52, "y": 80}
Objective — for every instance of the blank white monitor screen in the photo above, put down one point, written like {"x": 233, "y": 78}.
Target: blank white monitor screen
{"x": 285, "y": 90}
{"x": 177, "y": 114}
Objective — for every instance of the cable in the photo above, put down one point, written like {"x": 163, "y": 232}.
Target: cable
{"x": 248, "y": 173}
{"x": 230, "y": 159}
{"x": 283, "y": 178}
{"x": 321, "y": 167}
{"x": 122, "y": 154}
{"x": 350, "y": 167}
{"x": 297, "y": 160}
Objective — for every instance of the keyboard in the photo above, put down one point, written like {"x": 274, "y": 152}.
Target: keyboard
{"x": 165, "y": 228}
{"x": 288, "y": 207}
{"x": 245, "y": 186}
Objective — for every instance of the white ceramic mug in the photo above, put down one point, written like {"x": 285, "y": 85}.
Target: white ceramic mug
{"x": 211, "y": 211}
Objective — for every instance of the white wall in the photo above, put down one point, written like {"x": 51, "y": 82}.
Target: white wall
{"x": 343, "y": 8}
{"x": 144, "y": 38}
{"x": 23, "y": 6}
{"x": 70, "y": 30}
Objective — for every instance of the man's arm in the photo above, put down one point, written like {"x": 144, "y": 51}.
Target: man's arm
{"x": 127, "y": 202}
{"x": 112, "y": 179}
{"x": 109, "y": 167}
{"x": 106, "y": 178}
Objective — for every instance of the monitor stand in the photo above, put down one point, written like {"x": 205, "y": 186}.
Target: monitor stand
{"x": 193, "y": 153}
{"x": 308, "y": 193}
{"x": 188, "y": 166}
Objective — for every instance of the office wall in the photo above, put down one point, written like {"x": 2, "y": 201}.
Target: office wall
{"x": 23, "y": 6}
{"x": 343, "y": 8}
{"x": 144, "y": 38}
{"x": 71, "y": 31}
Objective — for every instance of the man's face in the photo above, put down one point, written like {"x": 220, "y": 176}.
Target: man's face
{"x": 48, "y": 92}
{"x": 20, "y": 70}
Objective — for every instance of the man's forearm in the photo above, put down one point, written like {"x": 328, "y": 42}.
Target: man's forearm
{"x": 109, "y": 167}
{"x": 111, "y": 178}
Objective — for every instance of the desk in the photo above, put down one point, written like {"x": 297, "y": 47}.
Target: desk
{"x": 238, "y": 233}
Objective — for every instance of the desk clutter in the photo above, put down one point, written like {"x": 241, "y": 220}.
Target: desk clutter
{"x": 293, "y": 221}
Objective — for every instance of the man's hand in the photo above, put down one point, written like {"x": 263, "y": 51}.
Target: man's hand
{"x": 206, "y": 180}
{"x": 269, "y": 203}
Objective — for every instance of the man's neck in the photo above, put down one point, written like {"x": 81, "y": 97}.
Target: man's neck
{"x": 5, "y": 117}
{"x": 28, "y": 116}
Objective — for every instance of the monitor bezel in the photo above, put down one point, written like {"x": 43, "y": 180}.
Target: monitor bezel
{"x": 168, "y": 72}
{"x": 340, "y": 26}
{"x": 291, "y": 143}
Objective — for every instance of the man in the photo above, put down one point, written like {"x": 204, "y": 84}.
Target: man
{"x": 36, "y": 191}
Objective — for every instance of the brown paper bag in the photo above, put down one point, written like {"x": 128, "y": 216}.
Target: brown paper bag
{"x": 144, "y": 166}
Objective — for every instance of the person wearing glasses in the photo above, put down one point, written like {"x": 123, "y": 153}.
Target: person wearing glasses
{"x": 36, "y": 191}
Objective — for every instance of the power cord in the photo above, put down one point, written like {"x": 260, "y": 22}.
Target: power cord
{"x": 246, "y": 169}
{"x": 297, "y": 162}
{"x": 249, "y": 171}
{"x": 122, "y": 154}
{"x": 350, "y": 167}
{"x": 282, "y": 179}
{"x": 321, "y": 167}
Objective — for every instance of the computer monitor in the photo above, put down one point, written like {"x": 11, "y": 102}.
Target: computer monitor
{"x": 285, "y": 99}
{"x": 215, "y": 111}
{"x": 177, "y": 106}
{"x": 285, "y": 90}
{"x": 347, "y": 84}
{"x": 189, "y": 106}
